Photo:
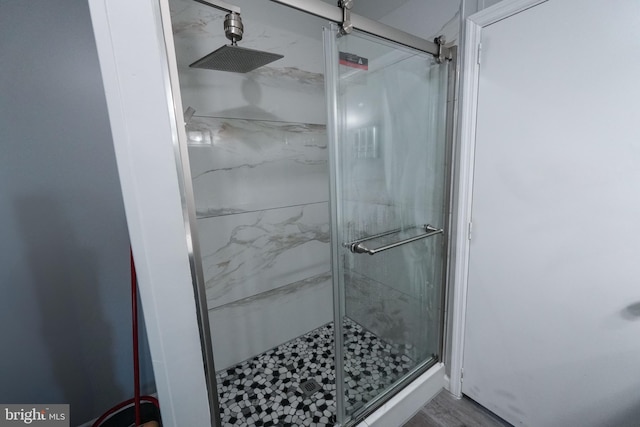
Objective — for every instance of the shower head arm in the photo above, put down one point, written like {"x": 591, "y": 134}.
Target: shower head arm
{"x": 221, "y": 5}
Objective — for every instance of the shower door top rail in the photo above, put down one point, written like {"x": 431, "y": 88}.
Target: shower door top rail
{"x": 358, "y": 248}
{"x": 335, "y": 14}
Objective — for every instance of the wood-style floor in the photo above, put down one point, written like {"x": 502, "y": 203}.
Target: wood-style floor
{"x": 447, "y": 411}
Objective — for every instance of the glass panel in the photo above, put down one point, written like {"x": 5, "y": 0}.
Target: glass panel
{"x": 257, "y": 151}
{"x": 387, "y": 108}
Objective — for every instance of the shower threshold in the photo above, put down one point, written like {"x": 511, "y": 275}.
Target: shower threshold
{"x": 266, "y": 390}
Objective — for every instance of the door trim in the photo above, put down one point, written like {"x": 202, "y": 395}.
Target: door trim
{"x": 465, "y": 161}
{"x": 139, "y": 72}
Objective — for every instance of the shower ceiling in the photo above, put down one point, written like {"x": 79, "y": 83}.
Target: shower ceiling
{"x": 373, "y": 9}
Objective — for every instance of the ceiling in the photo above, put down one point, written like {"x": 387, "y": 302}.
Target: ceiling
{"x": 373, "y": 9}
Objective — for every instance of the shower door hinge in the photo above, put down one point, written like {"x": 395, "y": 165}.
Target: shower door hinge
{"x": 469, "y": 230}
{"x": 462, "y": 375}
{"x": 479, "y": 53}
{"x": 346, "y": 6}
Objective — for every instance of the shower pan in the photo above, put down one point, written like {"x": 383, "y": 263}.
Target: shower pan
{"x": 322, "y": 251}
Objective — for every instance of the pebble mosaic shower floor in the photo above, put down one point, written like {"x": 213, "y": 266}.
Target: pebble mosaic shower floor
{"x": 265, "y": 390}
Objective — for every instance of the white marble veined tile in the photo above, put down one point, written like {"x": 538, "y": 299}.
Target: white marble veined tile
{"x": 251, "y": 253}
{"x": 409, "y": 322}
{"x": 414, "y": 268}
{"x": 243, "y": 96}
{"x": 292, "y": 78}
{"x": 253, "y": 325}
{"x": 290, "y": 89}
{"x": 255, "y": 165}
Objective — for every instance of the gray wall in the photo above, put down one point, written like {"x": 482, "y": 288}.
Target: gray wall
{"x": 65, "y": 309}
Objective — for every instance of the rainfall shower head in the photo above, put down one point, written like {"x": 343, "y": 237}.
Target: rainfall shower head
{"x": 232, "y": 57}
{"x": 235, "y": 59}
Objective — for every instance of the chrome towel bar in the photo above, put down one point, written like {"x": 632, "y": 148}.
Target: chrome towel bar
{"x": 358, "y": 248}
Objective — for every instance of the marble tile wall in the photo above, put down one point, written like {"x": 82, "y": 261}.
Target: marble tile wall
{"x": 393, "y": 316}
{"x": 395, "y": 294}
{"x": 263, "y": 221}
{"x": 244, "y": 328}
{"x": 384, "y": 187}
{"x": 258, "y": 154}
{"x": 290, "y": 89}
{"x": 250, "y": 165}
{"x": 259, "y": 166}
{"x": 246, "y": 254}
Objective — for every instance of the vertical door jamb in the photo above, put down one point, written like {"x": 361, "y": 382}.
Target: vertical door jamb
{"x": 463, "y": 193}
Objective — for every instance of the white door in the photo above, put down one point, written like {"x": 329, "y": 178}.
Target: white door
{"x": 553, "y": 316}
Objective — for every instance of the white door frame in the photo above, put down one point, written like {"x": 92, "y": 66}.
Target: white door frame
{"x": 146, "y": 124}
{"x": 465, "y": 161}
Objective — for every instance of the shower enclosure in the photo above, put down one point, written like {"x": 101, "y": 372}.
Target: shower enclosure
{"x": 315, "y": 191}
{"x": 387, "y": 120}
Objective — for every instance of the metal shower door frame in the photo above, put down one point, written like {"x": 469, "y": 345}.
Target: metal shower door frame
{"x": 183, "y": 170}
{"x": 331, "y": 67}
{"x": 369, "y": 26}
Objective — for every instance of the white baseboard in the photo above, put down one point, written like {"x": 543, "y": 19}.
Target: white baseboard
{"x": 407, "y": 402}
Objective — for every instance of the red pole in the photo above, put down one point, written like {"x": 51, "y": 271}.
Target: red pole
{"x": 136, "y": 360}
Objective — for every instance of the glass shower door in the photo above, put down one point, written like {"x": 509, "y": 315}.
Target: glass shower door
{"x": 387, "y": 117}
